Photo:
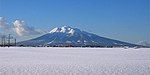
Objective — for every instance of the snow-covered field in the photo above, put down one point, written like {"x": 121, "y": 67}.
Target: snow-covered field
{"x": 74, "y": 61}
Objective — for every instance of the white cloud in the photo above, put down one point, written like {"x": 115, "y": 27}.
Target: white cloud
{"x": 3, "y": 23}
{"x": 19, "y": 30}
{"x": 22, "y": 29}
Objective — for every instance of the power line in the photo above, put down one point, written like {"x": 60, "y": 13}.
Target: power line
{"x": 6, "y": 41}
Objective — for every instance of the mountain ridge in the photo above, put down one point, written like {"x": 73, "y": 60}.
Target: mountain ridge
{"x": 68, "y": 36}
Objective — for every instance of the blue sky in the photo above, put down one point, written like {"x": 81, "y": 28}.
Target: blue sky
{"x": 126, "y": 20}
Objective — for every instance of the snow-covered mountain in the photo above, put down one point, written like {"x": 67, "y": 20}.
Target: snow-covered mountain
{"x": 68, "y": 36}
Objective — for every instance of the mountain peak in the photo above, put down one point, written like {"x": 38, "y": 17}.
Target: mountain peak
{"x": 63, "y": 29}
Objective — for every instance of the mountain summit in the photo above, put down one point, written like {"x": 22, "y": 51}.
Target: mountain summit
{"x": 64, "y": 29}
{"x": 68, "y": 36}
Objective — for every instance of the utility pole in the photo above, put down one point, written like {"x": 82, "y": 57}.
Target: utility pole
{"x": 3, "y": 40}
{"x": 15, "y": 41}
{"x": 8, "y": 40}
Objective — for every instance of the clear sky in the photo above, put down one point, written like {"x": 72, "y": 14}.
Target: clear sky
{"x": 125, "y": 20}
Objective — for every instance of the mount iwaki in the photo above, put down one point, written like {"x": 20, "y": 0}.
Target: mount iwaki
{"x": 73, "y": 37}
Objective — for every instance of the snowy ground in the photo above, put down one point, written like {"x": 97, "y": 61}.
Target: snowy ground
{"x": 74, "y": 61}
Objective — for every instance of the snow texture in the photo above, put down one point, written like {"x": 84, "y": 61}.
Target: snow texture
{"x": 74, "y": 61}
{"x": 64, "y": 29}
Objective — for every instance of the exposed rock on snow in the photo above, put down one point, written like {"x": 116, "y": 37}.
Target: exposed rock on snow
{"x": 64, "y": 29}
